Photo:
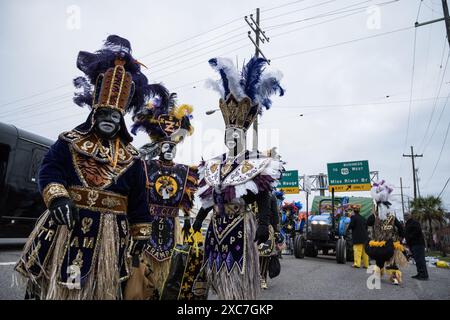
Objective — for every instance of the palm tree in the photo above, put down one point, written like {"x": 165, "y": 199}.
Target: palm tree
{"x": 429, "y": 211}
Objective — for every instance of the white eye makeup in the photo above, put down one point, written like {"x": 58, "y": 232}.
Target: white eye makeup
{"x": 165, "y": 147}
{"x": 115, "y": 116}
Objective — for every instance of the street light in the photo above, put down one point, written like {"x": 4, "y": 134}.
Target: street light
{"x": 209, "y": 112}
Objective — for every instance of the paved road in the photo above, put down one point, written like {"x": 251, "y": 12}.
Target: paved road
{"x": 309, "y": 278}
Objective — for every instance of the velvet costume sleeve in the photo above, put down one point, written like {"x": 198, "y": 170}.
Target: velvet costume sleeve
{"x": 202, "y": 213}
{"x": 264, "y": 207}
{"x": 138, "y": 215}
{"x": 275, "y": 213}
{"x": 53, "y": 172}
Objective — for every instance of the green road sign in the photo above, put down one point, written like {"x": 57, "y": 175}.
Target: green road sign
{"x": 349, "y": 176}
{"x": 289, "y": 182}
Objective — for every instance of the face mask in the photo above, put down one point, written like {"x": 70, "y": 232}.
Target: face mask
{"x": 235, "y": 139}
{"x": 107, "y": 122}
{"x": 168, "y": 151}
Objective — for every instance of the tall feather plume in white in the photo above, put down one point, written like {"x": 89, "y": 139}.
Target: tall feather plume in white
{"x": 226, "y": 66}
{"x": 269, "y": 85}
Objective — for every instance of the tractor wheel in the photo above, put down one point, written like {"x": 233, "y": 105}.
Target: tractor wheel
{"x": 341, "y": 251}
{"x": 299, "y": 247}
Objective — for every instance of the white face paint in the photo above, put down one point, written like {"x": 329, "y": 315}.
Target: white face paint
{"x": 235, "y": 138}
{"x": 168, "y": 151}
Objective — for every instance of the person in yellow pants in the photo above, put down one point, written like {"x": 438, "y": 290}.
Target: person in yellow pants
{"x": 360, "y": 252}
{"x": 358, "y": 226}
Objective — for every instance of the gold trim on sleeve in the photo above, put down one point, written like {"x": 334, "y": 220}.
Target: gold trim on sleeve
{"x": 140, "y": 231}
{"x": 53, "y": 191}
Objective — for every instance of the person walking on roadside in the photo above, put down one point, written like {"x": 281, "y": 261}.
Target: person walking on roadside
{"x": 358, "y": 226}
{"x": 416, "y": 243}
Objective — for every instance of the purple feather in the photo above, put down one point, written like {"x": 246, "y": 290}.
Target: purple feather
{"x": 251, "y": 75}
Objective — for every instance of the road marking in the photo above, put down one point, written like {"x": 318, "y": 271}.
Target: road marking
{"x": 7, "y": 263}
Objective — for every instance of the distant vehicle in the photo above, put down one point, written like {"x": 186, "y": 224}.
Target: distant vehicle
{"x": 21, "y": 155}
{"x": 327, "y": 232}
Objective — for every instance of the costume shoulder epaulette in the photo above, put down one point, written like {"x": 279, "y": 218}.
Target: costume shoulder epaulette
{"x": 69, "y": 136}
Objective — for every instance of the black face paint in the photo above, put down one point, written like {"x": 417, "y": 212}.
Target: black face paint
{"x": 235, "y": 140}
{"x": 168, "y": 151}
{"x": 107, "y": 122}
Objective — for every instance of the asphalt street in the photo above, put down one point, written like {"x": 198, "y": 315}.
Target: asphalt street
{"x": 300, "y": 279}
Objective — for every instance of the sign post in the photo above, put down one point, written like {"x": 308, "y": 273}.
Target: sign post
{"x": 349, "y": 176}
{"x": 289, "y": 182}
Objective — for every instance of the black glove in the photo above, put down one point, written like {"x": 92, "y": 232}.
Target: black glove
{"x": 138, "y": 247}
{"x": 278, "y": 238}
{"x": 262, "y": 234}
{"x": 64, "y": 212}
{"x": 186, "y": 228}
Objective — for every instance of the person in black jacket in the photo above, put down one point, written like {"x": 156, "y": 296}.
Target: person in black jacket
{"x": 358, "y": 226}
{"x": 415, "y": 240}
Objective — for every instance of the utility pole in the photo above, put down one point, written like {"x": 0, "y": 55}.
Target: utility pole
{"x": 259, "y": 36}
{"x": 412, "y": 156}
{"x": 401, "y": 193}
{"x": 446, "y": 18}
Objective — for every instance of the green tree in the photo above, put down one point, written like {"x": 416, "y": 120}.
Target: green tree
{"x": 428, "y": 211}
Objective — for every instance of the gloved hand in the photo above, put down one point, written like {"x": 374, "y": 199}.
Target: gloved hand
{"x": 64, "y": 212}
{"x": 186, "y": 228}
{"x": 138, "y": 247}
{"x": 262, "y": 234}
{"x": 197, "y": 225}
{"x": 278, "y": 237}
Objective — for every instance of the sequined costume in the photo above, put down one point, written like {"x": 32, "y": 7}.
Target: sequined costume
{"x": 231, "y": 182}
{"x": 171, "y": 186}
{"x": 105, "y": 180}
{"x": 385, "y": 247}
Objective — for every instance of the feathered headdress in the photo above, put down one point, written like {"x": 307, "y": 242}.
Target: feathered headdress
{"x": 161, "y": 118}
{"x": 244, "y": 94}
{"x": 112, "y": 78}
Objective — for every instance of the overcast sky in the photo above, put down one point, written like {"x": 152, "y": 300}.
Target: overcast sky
{"x": 353, "y": 95}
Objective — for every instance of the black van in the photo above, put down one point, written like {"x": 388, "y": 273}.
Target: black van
{"x": 21, "y": 155}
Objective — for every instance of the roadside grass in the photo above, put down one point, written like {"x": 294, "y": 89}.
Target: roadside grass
{"x": 438, "y": 255}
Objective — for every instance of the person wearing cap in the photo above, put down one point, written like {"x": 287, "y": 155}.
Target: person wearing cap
{"x": 416, "y": 242}
{"x": 93, "y": 184}
{"x": 358, "y": 226}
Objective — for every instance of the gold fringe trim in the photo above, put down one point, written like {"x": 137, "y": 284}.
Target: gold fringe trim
{"x": 103, "y": 282}
{"x": 373, "y": 243}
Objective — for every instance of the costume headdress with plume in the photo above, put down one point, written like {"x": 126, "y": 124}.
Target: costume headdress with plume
{"x": 244, "y": 94}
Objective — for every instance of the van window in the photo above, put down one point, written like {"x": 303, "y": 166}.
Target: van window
{"x": 36, "y": 160}
{"x": 4, "y": 155}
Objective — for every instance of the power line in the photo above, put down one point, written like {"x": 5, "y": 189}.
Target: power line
{"x": 35, "y": 94}
{"x": 342, "y": 43}
{"x": 194, "y": 57}
{"x": 434, "y": 104}
{"x": 315, "y": 24}
{"x": 281, "y": 6}
{"x": 182, "y": 53}
{"x": 330, "y": 13}
{"x": 298, "y": 10}
{"x": 440, "y": 153}
{"x": 411, "y": 87}
{"x": 445, "y": 186}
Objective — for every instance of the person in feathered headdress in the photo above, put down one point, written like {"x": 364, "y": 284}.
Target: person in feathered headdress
{"x": 385, "y": 247}
{"x": 231, "y": 181}
{"x": 93, "y": 184}
{"x": 171, "y": 185}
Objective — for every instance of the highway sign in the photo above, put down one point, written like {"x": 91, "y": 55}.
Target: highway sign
{"x": 349, "y": 176}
